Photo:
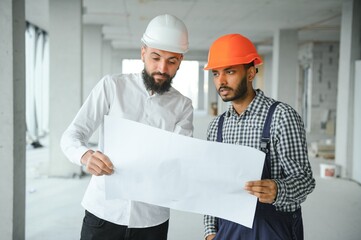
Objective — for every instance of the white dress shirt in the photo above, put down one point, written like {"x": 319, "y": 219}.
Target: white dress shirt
{"x": 124, "y": 96}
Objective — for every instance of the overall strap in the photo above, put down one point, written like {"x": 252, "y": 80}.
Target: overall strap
{"x": 219, "y": 128}
{"x": 265, "y": 143}
{"x": 265, "y": 139}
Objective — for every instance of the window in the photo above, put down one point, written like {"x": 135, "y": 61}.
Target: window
{"x": 37, "y": 83}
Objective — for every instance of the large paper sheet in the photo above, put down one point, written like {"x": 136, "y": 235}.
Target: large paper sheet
{"x": 183, "y": 173}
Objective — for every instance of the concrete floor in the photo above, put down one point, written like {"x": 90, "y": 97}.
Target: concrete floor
{"x": 53, "y": 210}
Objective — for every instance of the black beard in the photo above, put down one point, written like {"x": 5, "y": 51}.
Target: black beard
{"x": 239, "y": 93}
{"x": 151, "y": 85}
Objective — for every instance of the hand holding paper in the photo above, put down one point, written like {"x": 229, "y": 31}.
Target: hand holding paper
{"x": 97, "y": 163}
{"x": 264, "y": 190}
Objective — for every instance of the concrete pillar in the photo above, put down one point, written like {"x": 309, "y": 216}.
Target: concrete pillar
{"x": 285, "y": 66}
{"x": 107, "y": 58}
{"x": 117, "y": 62}
{"x": 212, "y": 94}
{"x": 214, "y": 101}
{"x": 92, "y": 63}
{"x": 350, "y": 51}
{"x": 356, "y": 168}
{"x": 201, "y": 75}
{"x": 12, "y": 119}
{"x": 92, "y": 57}
{"x": 65, "y": 73}
{"x": 267, "y": 74}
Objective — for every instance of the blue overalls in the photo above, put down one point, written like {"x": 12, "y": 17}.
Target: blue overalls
{"x": 268, "y": 223}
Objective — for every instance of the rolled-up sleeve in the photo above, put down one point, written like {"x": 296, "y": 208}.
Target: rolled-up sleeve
{"x": 210, "y": 225}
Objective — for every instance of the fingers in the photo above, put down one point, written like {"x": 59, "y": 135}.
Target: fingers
{"x": 264, "y": 190}
{"x": 210, "y": 237}
{"x": 99, "y": 164}
{"x": 264, "y": 197}
{"x": 104, "y": 159}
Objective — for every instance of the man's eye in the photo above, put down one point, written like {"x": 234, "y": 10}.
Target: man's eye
{"x": 230, "y": 72}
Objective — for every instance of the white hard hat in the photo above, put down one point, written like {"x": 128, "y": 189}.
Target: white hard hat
{"x": 168, "y": 33}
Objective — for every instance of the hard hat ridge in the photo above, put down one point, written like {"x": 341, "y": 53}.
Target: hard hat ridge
{"x": 166, "y": 32}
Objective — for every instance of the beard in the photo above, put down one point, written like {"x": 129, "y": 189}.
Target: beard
{"x": 152, "y": 85}
{"x": 239, "y": 93}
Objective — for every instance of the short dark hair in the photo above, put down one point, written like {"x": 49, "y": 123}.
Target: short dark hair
{"x": 251, "y": 64}
{"x": 248, "y": 65}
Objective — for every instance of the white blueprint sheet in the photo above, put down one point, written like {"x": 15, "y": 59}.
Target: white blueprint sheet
{"x": 183, "y": 173}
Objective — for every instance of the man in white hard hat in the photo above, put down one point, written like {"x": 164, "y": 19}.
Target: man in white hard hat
{"x": 145, "y": 97}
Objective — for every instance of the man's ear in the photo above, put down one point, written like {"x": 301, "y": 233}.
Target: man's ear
{"x": 251, "y": 73}
{"x": 142, "y": 53}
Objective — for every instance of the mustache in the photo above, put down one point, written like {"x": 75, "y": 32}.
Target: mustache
{"x": 161, "y": 74}
{"x": 224, "y": 88}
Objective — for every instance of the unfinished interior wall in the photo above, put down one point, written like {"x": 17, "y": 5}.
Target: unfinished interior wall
{"x": 321, "y": 88}
{"x": 319, "y": 75}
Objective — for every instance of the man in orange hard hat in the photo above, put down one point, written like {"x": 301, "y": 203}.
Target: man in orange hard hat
{"x": 258, "y": 121}
{"x": 146, "y": 97}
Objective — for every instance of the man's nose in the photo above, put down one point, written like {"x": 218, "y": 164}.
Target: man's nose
{"x": 162, "y": 67}
{"x": 222, "y": 80}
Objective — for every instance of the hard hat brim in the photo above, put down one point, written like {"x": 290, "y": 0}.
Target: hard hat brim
{"x": 233, "y": 62}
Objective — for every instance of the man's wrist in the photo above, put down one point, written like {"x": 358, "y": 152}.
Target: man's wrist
{"x": 84, "y": 159}
{"x": 210, "y": 236}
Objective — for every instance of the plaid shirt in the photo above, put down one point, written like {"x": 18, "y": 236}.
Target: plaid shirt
{"x": 290, "y": 168}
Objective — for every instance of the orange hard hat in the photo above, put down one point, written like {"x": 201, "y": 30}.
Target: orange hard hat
{"x": 230, "y": 50}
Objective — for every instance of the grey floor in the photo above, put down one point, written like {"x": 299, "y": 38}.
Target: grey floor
{"x": 53, "y": 210}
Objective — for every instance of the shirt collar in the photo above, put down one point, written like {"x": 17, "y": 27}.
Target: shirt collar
{"x": 252, "y": 108}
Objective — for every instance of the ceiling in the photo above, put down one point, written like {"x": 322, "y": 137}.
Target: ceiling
{"x": 124, "y": 21}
